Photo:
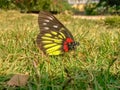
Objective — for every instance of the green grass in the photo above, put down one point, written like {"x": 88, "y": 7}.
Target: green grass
{"x": 95, "y": 65}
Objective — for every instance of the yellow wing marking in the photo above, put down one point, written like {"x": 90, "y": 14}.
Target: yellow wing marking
{"x": 52, "y": 49}
{"x": 61, "y": 29}
{"x": 48, "y": 38}
{"x": 58, "y": 41}
{"x": 49, "y": 45}
{"x": 54, "y": 33}
{"x": 52, "y": 39}
{"x": 56, "y": 37}
{"x": 55, "y": 53}
{"x": 47, "y": 34}
{"x": 46, "y": 42}
{"x": 62, "y": 35}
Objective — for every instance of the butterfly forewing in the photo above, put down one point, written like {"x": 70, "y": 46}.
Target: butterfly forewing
{"x": 48, "y": 22}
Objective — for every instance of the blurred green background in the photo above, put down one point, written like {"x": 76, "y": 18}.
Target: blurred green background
{"x": 91, "y": 7}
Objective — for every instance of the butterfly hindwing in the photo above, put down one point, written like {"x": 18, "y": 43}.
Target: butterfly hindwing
{"x": 51, "y": 42}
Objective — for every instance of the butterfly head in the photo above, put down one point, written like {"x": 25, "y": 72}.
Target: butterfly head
{"x": 72, "y": 45}
{"x": 69, "y": 44}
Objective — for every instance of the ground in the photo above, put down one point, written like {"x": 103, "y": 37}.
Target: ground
{"x": 94, "y": 65}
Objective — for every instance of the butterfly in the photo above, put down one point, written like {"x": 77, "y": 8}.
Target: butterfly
{"x": 54, "y": 38}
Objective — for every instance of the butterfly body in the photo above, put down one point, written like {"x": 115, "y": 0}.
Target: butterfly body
{"x": 54, "y": 38}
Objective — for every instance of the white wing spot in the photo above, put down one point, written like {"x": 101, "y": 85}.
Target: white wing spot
{"x": 50, "y": 18}
{"x": 47, "y": 20}
{"x": 46, "y": 28}
{"x": 55, "y": 26}
{"x": 44, "y": 23}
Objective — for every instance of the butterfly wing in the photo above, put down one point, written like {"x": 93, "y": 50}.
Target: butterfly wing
{"x": 52, "y": 34}
{"x": 51, "y": 42}
{"x": 47, "y": 21}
